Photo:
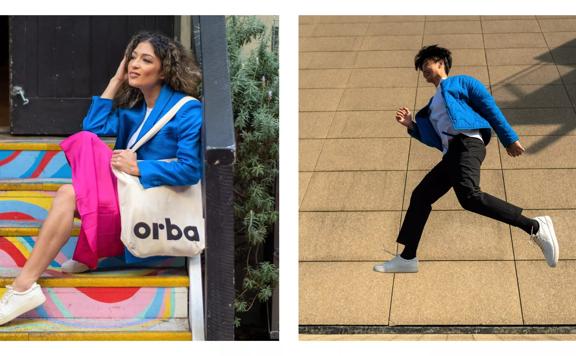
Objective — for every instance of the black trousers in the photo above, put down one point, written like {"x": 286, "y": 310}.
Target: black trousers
{"x": 459, "y": 169}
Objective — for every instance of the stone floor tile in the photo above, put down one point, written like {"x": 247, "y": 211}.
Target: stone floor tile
{"x": 457, "y": 293}
{"x": 304, "y": 180}
{"x": 383, "y": 78}
{"x": 306, "y": 30}
{"x": 326, "y": 44}
{"x": 395, "y": 28}
{"x": 462, "y": 235}
{"x": 478, "y": 72}
{"x": 423, "y": 96}
{"x": 514, "y": 40}
{"x": 306, "y": 20}
{"x": 490, "y": 182}
{"x": 503, "y": 17}
{"x": 365, "y": 124}
{"x": 423, "y": 157}
{"x": 567, "y": 73}
{"x": 320, "y": 99}
{"x": 530, "y": 96}
{"x": 315, "y": 124}
{"x": 547, "y": 293}
{"x": 452, "y": 27}
{"x": 511, "y": 56}
{"x": 324, "y": 78}
{"x": 468, "y": 57}
{"x": 555, "y": 187}
{"x": 564, "y": 55}
{"x": 348, "y": 236}
{"x": 354, "y": 191}
{"x": 386, "y": 59}
{"x": 455, "y": 41}
{"x": 357, "y": 295}
{"x": 510, "y": 26}
{"x": 437, "y": 337}
{"x": 378, "y": 43}
{"x": 340, "y": 30}
{"x": 309, "y": 152}
{"x": 321, "y": 60}
{"x": 559, "y": 122}
{"x": 560, "y": 39}
{"x": 402, "y": 19}
{"x": 571, "y": 89}
{"x": 376, "y": 98}
{"x": 543, "y": 152}
{"x": 364, "y": 154}
{"x": 519, "y": 75}
{"x": 452, "y": 18}
{"x": 558, "y": 25}
{"x": 564, "y": 222}
{"x": 343, "y": 19}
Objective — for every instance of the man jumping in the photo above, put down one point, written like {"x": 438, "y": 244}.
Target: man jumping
{"x": 458, "y": 121}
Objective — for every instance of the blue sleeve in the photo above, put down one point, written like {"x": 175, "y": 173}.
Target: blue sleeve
{"x": 414, "y": 132}
{"x": 101, "y": 118}
{"x": 484, "y": 104}
{"x": 187, "y": 168}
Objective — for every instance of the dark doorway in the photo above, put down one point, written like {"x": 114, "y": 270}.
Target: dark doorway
{"x": 4, "y": 75}
{"x": 60, "y": 62}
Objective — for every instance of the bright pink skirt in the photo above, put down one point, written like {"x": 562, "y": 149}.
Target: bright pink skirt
{"x": 96, "y": 198}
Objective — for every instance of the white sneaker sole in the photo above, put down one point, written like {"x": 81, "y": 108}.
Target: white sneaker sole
{"x": 35, "y": 303}
{"x": 381, "y": 269}
{"x": 552, "y": 234}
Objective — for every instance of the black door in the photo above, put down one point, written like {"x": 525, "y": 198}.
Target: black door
{"x": 60, "y": 62}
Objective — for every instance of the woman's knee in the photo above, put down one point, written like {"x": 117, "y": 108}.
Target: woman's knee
{"x": 65, "y": 195}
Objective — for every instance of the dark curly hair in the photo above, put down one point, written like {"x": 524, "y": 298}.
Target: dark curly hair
{"x": 181, "y": 72}
{"x": 436, "y": 53}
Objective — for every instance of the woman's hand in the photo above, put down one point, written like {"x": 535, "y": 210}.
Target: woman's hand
{"x": 404, "y": 116}
{"x": 125, "y": 161}
{"x": 116, "y": 82}
{"x": 121, "y": 73}
{"x": 515, "y": 149}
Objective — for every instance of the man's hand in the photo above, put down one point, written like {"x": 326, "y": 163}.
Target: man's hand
{"x": 515, "y": 149}
{"x": 404, "y": 116}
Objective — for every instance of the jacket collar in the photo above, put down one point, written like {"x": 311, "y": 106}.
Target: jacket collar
{"x": 162, "y": 101}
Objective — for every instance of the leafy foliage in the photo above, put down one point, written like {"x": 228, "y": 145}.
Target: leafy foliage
{"x": 254, "y": 83}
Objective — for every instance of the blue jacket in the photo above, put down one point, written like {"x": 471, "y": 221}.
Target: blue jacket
{"x": 179, "y": 138}
{"x": 470, "y": 106}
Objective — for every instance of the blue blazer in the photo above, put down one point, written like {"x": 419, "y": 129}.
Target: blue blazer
{"x": 470, "y": 106}
{"x": 179, "y": 138}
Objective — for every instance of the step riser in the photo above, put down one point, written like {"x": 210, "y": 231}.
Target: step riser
{"x": 14, "y": 252}
{"x": 112, "y": 303}
{"x": 16, "y": 164}
{"x": 25, "y": 205}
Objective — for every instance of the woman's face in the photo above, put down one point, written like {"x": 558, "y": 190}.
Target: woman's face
{"x": 144, "y": 68}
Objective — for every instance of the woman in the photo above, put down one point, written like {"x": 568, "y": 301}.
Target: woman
{"x": 155, "y": 73}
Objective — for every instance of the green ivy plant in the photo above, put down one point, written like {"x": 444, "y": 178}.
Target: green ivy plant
{"x": 254, "y": 83}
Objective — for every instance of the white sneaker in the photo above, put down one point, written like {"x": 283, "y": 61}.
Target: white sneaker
{"x": 72, "y": 266}
{"x": 398, "y": 265}
{"x": 545, "y": 238}
{"x": 14, "y": 304}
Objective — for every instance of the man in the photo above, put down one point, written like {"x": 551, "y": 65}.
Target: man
{"x": 458, "y": 121}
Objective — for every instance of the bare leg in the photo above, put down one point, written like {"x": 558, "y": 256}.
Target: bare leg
{"x": 54, "y": 233}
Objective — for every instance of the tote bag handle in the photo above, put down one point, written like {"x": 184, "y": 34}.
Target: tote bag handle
{"x": 160, "y": 124}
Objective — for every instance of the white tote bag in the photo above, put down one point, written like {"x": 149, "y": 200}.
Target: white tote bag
{"x": 163, "y": 220}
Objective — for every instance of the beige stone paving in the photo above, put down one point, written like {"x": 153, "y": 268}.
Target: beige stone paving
{"x": 438, "y": 337}
{"x": 358, "y": 168}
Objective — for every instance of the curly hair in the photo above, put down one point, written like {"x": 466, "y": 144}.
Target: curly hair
{"x": 436, "y": 53}
{"x": 181, "y": 72}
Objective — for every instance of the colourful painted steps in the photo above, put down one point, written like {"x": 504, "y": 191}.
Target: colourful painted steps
{"x": 144, "y": 301}
{"x": 38, "y": 184}
{"x": 126, "y": 277}
{"x": 58, "y": 329}
{"x": 112, "y": 302}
